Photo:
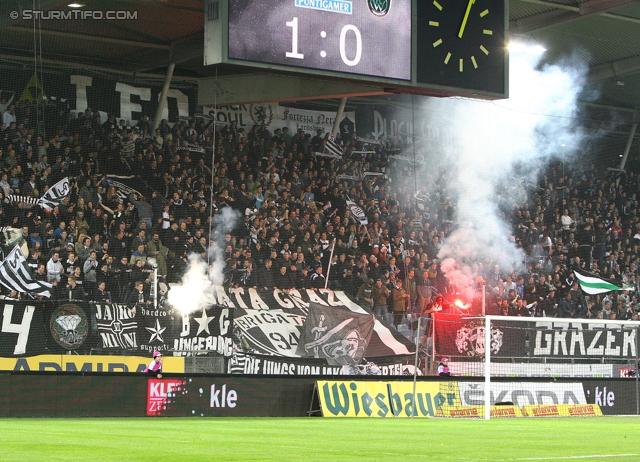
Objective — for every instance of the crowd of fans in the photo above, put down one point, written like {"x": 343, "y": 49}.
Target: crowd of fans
{"x": 295, "y": 228}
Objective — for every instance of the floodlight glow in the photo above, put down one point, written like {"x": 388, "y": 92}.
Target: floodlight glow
{"x": 75, "y": 5}
{"x": 526, "y": 47}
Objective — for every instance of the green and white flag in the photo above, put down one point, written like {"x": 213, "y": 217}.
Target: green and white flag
{"x": 594, "y": 285}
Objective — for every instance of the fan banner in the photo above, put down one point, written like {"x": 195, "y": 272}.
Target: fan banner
{"x": 122, "y": 189}
{"x": 458, "y": 336}
{"x": 143, "y": 328}
{"x": 268, "y": 323}
{"x": 340, "y": 336}
{"x": 272, "y": 322}
{"x": 241, "y": 363}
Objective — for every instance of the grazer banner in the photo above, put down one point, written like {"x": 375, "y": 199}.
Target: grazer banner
{"x": 457, "y": 336}
{"x": 271, "y": 322}
{"x": 250, "y": 364}
{"x": 228, "y": 397}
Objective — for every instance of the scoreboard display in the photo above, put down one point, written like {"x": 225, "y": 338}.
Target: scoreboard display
{"x": 448, "y": 46}
{"x": 349, "y": 36}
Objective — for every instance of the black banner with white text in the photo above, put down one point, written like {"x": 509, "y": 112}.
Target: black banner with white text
{"x": 457, "y": 336}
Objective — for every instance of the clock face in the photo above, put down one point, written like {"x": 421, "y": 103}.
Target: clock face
{"x": 461, "y": 43}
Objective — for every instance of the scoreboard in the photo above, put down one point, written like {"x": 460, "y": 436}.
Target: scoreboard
{"x": 456, "y": 47}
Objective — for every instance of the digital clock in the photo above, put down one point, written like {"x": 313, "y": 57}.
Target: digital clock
{"x": 366, "y": 37}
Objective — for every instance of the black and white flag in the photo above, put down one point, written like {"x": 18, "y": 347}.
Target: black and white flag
{"x": 190, "y": 148}
{"x": 332, "y": 147}
{"x": 326, "y": 154}
{"x": 54, "y": 196}
{"x": 357, "y": 212}
{"x": 122, "y": 189}
{"x": 338, "y": 335}
{"x": 348, "y": 178}
{"x": 26, "y": 199}
{"x": 14, "y": 275}
{"x": 117, "y": 326}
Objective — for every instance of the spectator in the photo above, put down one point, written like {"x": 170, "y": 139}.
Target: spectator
{"x": 380, "y": 295}
{"x": 400, "y": 302}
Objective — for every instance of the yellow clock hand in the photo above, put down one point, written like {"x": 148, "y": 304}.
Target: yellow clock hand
{"x": 466, "y": 16}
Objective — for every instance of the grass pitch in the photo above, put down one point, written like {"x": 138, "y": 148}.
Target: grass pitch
{"x": 318, "y": 439}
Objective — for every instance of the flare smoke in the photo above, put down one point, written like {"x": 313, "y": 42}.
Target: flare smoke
{"x": 195, "y": 291}
{"x": 498, "y": 144}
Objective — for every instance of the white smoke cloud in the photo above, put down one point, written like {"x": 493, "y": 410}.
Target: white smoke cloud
{"x": 489, "y": 140}
{"x": 195, "y": 291}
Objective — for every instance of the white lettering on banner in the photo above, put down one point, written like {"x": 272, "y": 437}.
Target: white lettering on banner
{"x": 81, "y": 82}
{"x": 182, "y": 101}
{"x": 568, "y": 339}
{"x": 252, "y": 365}
{"x": 221, "y": 345}
{"x": 237, "y": 292}
{"x": 256, "y": 301}
{"x": 21, "y": 329}
{"x": 224, "y": 321}
{"x": 522, "y": 394}
{"x": 251, "y": 299}
{"x": 161, "y": 389}
{"x": 276, "y": 116}
{"x": 111, "y": 312}
{"x": 223, "y": 298}
{"x": 186, "y": 325}
{"x": 223, "y": 398}
{"x": 127, "y": 107}
{"x": 282, "y": 302}
{"x": 126, "y": 340}
{"x": 604, "y": 399}
{"x": 330, "y": 300}
{"x": 400, "y": 125}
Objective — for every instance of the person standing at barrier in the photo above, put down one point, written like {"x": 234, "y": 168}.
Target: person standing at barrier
{"x": 443, "y": 368}
{"x": 155, "y": 366}
{"x": 400, "y": 302}
{"x": 380, "y": 295}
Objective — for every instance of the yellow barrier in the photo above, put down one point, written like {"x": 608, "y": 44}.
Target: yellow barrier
{"x": 75, "y": 363}
{"x": 562, "y": 410}
{"x": 430, "y": 397}
{"x": 353, "y": 399}
{"x": 478, "y": 411}
{"x": 384, "y": 399}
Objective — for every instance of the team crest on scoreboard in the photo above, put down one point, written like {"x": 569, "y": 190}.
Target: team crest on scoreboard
{"x": 470, "y": 340}
{"x": 261, "y": 114}
{"x": 69, "y": 326}
{"x": 379, "y": 7}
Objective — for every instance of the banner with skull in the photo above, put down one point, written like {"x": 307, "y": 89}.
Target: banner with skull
{"x": 340, "y": 336}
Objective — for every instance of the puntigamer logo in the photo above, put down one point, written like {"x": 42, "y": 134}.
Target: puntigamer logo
{"x": 332, "y": 6}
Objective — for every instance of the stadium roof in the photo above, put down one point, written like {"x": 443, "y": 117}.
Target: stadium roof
{"x": 604, "y": 33}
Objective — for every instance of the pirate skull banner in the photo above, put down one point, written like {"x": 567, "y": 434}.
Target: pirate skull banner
{"x": 340, "y": 336}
